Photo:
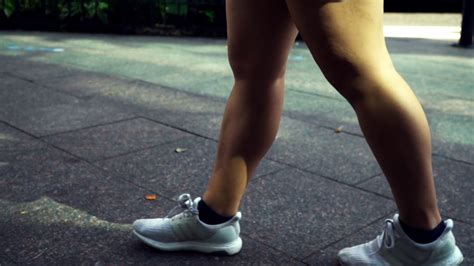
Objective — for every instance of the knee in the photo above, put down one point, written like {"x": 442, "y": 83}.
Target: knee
{"x": 256, "y": 68}
{"x": 356, "y": 82}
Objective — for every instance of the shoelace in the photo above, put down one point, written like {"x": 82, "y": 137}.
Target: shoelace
{"x": 185, "y": 204}
{"x": 388, "y": 234}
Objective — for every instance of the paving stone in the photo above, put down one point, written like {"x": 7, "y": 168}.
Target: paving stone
{"x": 299, "y": 213}
{"x": 114, "y": 139}
{"x": 8, "y": 61}
{"x": 341, "y": 156}
{"x": 446, "y": 88}
{"x": 216, "y": 86}
{"x": 13, "y": 139}
{"x": 36, "y": 71}
{"x": 151, "y": 97}
{"x": 452, "y": 178}
{"x": 443, "y": 68}
{"x": 327, "y": 112}
{"x": 98, "y": 246}
{"x": 201, "y": 123}
{"x": 47, "y": 172}
{"x": 170, "y": 173}
{"x": 25, "y": 66}
{"x": 435, "y": 104}
{"x": 85, "y": 84}
{"x": 47, "y": 203}
{"x": 450, "y": 149}
{"x": 65, "y": 117}
{"x": 33, "y": 229}
{"x": 191, "y": 112}
{"x": 219, "y": 85}
{"x": 422, "y": 47}
{"x": 197, "y": 79}
{"x": 455, "y": 151}
{"x": 18, "y": 95}
{"x": 48, "y": 198}
{"x": 128, "y": 250}
{"x": 464, "y": 239}
{"x": 4, "y": 260}
{"x": 40, "y": 111}
{"x": 452, "y": 133}
{"x": 144, "y": 69}
{"x": 327, "y": 256}
{"x": 308, "y": 78}
{"x": 47, "y": 230}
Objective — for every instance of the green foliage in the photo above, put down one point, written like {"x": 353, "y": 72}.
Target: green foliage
{"x": 83, "y": 9}
{"x": 127, "y": 14}
{"x": 8, "y": 6}
{"x": 210, "y": 15}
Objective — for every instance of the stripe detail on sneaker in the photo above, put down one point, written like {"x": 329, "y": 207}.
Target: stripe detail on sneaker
{"x": 182, "y": 229}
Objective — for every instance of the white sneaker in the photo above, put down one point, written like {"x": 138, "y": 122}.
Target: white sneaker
{"x": 182, "y": 229}
{"x": 394, "y": 247}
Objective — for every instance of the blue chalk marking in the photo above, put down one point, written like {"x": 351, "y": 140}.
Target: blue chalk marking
{"x": 33, "y": 49}
{"x": 297, "y": 58}
{"x": 13, "y": 47}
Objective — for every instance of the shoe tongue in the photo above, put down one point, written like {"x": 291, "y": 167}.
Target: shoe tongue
{"x": 196, "y": 201}
{"x": 395, "y": 217}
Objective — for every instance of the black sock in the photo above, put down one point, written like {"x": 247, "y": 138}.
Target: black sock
{"x": 423, "y": 236}
{"x": 209, "y": 216}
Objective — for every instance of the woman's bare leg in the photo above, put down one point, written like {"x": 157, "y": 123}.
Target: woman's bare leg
{"x": 260, "y": 36}
{"x": 346, "y": 40}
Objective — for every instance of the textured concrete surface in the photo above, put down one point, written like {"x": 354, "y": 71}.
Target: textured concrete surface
{"x": 101, "y": 142}
{"x": 453, "y": 180}
{"x": 169, "y": 171}
{"x": 86, "y": 133}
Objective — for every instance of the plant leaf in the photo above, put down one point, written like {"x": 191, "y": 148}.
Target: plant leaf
{"x": 9, "y": 7}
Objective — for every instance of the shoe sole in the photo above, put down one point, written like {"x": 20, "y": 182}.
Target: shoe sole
{"x": 230, "y": 248}
{"x": 456, "y": 259}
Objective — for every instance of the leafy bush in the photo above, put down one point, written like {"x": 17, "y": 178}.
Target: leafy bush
{"x": 7, "y": 6}
{"x": 125, "y": 16}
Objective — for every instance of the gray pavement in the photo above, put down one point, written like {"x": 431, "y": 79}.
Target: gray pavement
{"x": 87, "y": 130}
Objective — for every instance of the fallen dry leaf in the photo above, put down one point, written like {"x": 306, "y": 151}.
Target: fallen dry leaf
{"x": 179, "y": 150}
{"x": 339, "y": 129}
{"x": 150, "y": 197}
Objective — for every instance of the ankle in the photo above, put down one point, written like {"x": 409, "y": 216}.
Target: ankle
{"x": 209, "y": 216}
{"x": 422, "y": 220}
{"x": 423, "y": 236}
{"x": 224, "y": 207}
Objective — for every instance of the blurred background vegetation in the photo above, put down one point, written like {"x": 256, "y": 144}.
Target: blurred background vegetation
{"x": 162, "y": 17}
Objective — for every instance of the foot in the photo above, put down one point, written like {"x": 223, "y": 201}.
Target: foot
{"x": 182, "y": 229}
{"x": 394, "y": 247}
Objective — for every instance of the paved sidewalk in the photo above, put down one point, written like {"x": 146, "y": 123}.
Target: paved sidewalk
{"x": 90, "y": 124}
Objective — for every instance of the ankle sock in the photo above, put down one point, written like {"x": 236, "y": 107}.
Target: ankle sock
{"x": 209, "y": 216}
{"x": 423, "y": 236}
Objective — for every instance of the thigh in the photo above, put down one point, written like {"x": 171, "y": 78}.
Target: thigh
{"x": 345, "y": 37}
{"x": 260, "y": 34}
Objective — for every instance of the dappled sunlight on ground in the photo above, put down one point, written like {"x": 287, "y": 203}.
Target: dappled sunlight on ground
{"x": 423, "y": 32}
{"x": 438, "y": 73}
{"x": 46, "y": 211}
